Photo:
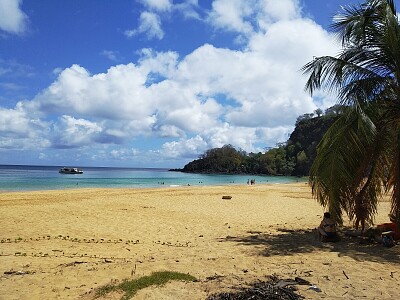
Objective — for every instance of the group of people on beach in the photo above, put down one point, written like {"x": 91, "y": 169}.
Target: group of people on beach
{"x": 385, "y": 233}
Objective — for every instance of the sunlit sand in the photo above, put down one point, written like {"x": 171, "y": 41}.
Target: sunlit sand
{"x": 64, "y": 244}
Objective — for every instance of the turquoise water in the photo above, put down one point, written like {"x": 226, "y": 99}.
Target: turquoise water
{"x": 26, "y": 178}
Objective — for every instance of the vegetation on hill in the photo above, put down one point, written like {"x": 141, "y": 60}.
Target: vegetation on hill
{"x": 291, "y": 158}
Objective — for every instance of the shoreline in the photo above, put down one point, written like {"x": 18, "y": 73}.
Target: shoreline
{"x": 159, "y": 186}
{"x": 67, "y": 243}
{"x": 23, "y": 178}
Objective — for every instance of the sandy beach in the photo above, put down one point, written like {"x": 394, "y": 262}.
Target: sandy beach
{"x": 65, "y": 244}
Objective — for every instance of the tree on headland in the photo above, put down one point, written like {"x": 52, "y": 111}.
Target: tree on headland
{"x": 358, "y": 159}
{"x": 334, "y": 110}
{"x": 218, "y": 160}
{"x": 318, "y": 112}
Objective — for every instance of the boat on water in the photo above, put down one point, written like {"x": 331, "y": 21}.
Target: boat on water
{"x": 70, "y": 171}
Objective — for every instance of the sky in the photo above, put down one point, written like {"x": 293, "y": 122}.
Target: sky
{"x": 155, "y": 83}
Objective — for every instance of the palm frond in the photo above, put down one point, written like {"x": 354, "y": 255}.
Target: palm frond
{"x": 349, "y": 171}
{"x": 360, "y": 154}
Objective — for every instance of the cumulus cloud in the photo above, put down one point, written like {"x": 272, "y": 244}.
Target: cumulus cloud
{"x": 190, "y": 9}
{"x": 73, "y": 133}
{"x": 12, "y": 19}
{"x": 274, "y": 11}
{"x": 232, "y": 15}
{"x": 160, "y": 63}
{"x": 160, "y": 5}
{"x": 263, "y": 83}
{"x": 149, "y": 24}
{"x": 213, "y": 96}
{"x": 251, "y": 16}
{"x": 111, "y": 95}
{"x": 16, "y": 123}
{"x": 244, "y": 138}
{"x": 183, "y": 147}
{"x": 150, "y": 21}
{"x": 18, "y": 130}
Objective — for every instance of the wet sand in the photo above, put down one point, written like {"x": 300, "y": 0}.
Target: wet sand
{"x": 64, "y": 244}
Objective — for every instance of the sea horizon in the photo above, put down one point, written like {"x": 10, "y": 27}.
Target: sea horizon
{"x": 45, "y": 177}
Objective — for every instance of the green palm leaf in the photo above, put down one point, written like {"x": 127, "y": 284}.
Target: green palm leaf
{"x": 358, "y": 159}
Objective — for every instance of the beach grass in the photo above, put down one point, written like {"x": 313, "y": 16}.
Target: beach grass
{"x": 131, "y": 287}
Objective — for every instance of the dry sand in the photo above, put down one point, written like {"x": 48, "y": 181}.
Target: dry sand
{"x": 67, "y": 243}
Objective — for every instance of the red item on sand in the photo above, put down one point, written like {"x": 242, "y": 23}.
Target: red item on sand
{"x": 391, "y": 227}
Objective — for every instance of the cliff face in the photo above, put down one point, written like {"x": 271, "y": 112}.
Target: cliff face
{"x": 305, "y": 138}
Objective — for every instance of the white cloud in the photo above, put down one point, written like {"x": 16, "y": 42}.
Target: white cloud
{"x": 111, "y": 55}
{"x": 11, "y": 68}
{"x": 150, "y": 21}
{"x": 283, "y": 10}
{"x": 262, "y": 89}
{"x": 190, "y": 9}
{"x": 161, "y": 63}
{"x": 12, "y": 18}
{"x": 111, "y": 95}
{"x": 242, "y": 137}
{"x": 57, "y": 71}
{"x": 159, "y": 5}
{"x": 177, "y": 104}
{"x": 74, "y": 133}
{"x": 170, "y": 131}
{"x": 273, "y": 135}
{"x": 43, "y": 156}
{"x": 183, "y": 147}
{"x": 13, "y": 122}
{"x": 250, "y": 16}
{"x": 124, "y": 153}
{"x": 249, "y": 98}
{"x": 232, "y": 15}
{"x": 19, "y": 130}
{"x": 149, "y": 24}
{"x": 264, "y": 81}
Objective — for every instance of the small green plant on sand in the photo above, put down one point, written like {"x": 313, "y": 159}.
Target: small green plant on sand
{"x": 131, "y": 287}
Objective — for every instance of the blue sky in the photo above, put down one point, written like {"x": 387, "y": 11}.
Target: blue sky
{"x": 154, "y": 83}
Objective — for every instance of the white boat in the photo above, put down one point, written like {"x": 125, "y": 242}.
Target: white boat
{"x": 70, "y": 171}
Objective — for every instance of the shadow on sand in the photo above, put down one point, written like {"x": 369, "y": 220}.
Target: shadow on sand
{"x": 292, "y": 242}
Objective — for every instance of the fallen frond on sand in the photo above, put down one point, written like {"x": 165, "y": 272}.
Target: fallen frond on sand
{"x": 273, "y": 289}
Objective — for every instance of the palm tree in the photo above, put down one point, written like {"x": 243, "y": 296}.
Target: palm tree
{"x": 358, "y": 159}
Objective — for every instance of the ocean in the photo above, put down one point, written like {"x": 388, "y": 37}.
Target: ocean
{"x": 33, "y": 178}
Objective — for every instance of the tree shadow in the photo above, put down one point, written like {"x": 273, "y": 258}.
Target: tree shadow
{"x": 292, "y": 242}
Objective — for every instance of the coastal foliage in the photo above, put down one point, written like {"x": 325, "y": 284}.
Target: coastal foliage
{"x": 358, "y": 159}
{"x": 293, "y": 158}
{"x": 131, "y": 287}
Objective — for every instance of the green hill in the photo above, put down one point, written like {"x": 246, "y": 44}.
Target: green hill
{"x": 293, "y": 158}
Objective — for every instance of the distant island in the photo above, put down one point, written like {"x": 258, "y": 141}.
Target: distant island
{"x": 292, "y": 158}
